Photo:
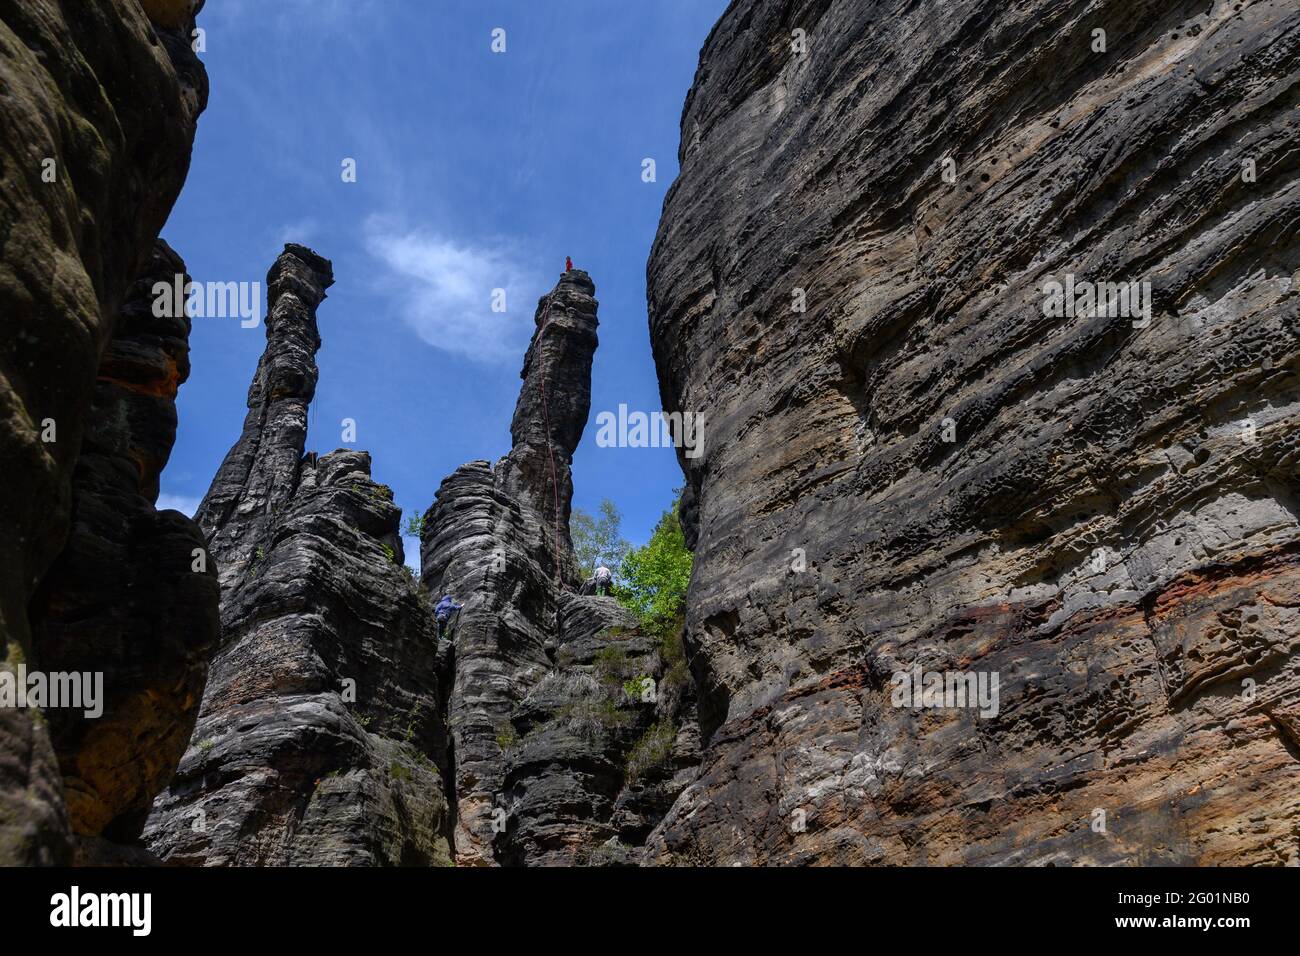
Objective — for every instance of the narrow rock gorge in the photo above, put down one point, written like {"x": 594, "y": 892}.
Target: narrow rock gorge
{"x": 336, "y": 728}
{"x": 98, "y": 109}
{"x": 939, "y": 441}
{"x": 914, "y": 464}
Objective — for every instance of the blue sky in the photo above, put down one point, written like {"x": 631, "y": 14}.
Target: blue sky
{"x": 475, "y": 170}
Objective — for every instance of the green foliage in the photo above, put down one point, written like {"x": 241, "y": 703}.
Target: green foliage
{"x": 634, "y": 687}
{"x": 590, "y": 718}
{"x": 653, "y": 750}
{"x": 507, "y": 738}
{"x": 412, "y": 719}
{"x": 398, "y": 772}
{"x": 415, "y": 526}
{"x": 654, "y": 578}
{"x": 597, "y": 541}
{"x": 389, "y": 553}
{"x": 206, "y": 745}
{"x": 673, "y": 654}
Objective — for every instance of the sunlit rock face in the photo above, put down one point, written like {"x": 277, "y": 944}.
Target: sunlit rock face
{"x": 918, "y": 460}
{"x": 559, "y": 756}
{"x": 320, "y": 740}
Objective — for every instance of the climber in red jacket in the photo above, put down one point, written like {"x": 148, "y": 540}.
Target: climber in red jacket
{"x": 568, "y": 264}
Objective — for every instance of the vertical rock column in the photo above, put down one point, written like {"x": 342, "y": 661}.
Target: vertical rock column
{"x": 320, "y": 740}
{"x": 490, "y": 540}
{"x": 133, "y": 595}
{"x": 260, "y": 472}
{"x": 96, "y": 124}
{"x": 552, "y": 411}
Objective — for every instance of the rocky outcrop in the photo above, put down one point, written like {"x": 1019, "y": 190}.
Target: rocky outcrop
{"x": 552, "y": 412}
{"x": 97, "y": 119}
{"x": 320, "y": 740}
{"x": 263, "y": 469}
{"x": 132, "y": 596}
{"x": 915, "y": 462}
{"x": 491, "y": 539}
{"x": 599, "y": 748}
{"x": 542, "y": 724}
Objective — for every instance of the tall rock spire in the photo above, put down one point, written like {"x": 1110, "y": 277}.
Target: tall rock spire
{"x": 543, "y": 728}
{"x": 260, "y": 472}
{"x": 553, "y": 407}
{"x": 320, "y": 738}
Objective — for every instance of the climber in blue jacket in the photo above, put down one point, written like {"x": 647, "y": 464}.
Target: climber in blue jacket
{"x": 443, "y": 612}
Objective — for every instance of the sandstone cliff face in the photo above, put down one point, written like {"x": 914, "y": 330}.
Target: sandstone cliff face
{"x": 542, "y": 727}
{"x": 490, "y": 539}
{"x": 1102, "y": 514}
{"x": 320, "y": 740}
{"x": 97, "y": 117}
{"x": 600, "y": 747}
{"x": 132, "y": 595}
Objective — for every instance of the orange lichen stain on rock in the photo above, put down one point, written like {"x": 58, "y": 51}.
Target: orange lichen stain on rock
{"x": 168, "y": 14}
{"x": 142, "y": 467}
{"x": 111, "y": 773}
{"x": 167, "y": 386}
{"x": 1259, "y": 576}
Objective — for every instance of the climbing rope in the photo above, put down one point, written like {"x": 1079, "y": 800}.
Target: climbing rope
{"x": 546, "y": 415}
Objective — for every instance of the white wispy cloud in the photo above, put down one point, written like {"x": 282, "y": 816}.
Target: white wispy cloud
{"x": 182, "y": 503}
{"x": 302, "y": 232}
{"x": 444, "y": 290}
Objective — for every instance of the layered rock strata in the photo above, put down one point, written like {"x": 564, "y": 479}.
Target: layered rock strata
{"x": 320, "y": 740}
{"x": 97, "y": 119}
{"x": 563, "y": 754}
{"x": 133, "y": 596}
{"x": 918, "y": 461}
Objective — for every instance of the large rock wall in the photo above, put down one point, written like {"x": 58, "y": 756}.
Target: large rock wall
{"x": 320, "y": 740}
{"x": 98, "y": 107}
{"x": 922, "y": 468}
{"x": 133, "y": 594}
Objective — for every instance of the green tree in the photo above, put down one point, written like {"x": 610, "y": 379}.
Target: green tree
{"x": 598, "y": 541}
{"x": 655, "y": 577}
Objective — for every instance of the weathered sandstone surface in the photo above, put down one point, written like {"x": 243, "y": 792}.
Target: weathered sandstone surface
{"x": 98, "y": 107}
{"x": 923, "y": 469}
{"x": 543, "y": 729}
{"x": 320, "y": 740}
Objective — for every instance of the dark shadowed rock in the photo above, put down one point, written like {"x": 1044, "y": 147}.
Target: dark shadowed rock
{"x": 924, "y": 469}
{"x": 320, "y": 740}
{"x": 97, "y": 116}
{"x": 132, "y": 596}
{"x": 595, "y": 745}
